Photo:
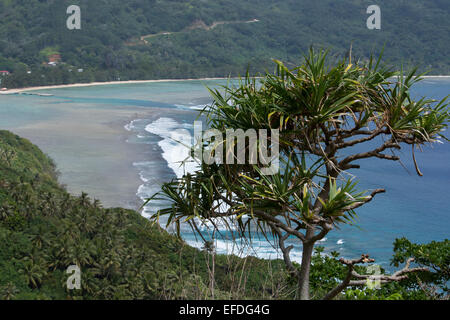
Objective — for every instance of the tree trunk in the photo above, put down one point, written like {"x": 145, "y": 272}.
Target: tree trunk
{"x": 303, "y": 281}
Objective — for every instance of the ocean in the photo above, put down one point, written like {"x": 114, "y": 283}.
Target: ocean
{"x": 157, "y": 116}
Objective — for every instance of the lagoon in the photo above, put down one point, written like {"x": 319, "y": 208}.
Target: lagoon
{"x": 115, "y": 142}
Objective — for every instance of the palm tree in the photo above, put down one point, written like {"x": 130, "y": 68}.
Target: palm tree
{"x": 9, "y": 291}
{"x": 6, "y": 210}
{"x": 34, "y": 271}
{"x": 85, "y": 201}
{"x": 38, "y": 239}
{"x": 97, "y": 204}
{"x": 80, "y": 253}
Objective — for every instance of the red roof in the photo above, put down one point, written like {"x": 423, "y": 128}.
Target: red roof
{"x": 54, "y": 58}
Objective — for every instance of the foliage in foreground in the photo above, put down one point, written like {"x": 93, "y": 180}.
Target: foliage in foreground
{"x": 325, "y": 117}
{"x": 43, "y": 230}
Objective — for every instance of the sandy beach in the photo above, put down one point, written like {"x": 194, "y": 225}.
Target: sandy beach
{"x": 91, "y": 84}
{"x": 87, "y": 137}
{"x": 83, "y": 130}
{"x": 89, "y": 143}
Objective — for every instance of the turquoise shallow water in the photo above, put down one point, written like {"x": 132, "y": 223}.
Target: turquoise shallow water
{"x": 414, "y": 207}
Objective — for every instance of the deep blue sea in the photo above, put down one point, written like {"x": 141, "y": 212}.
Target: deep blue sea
{"x": 413, "y": 207}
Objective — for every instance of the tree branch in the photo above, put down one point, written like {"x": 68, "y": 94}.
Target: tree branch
{"x": 279, "y": 224}
{"x": 371, "y": 135}
{"x": 326, "y": 227}
{"x": 366, "y": 200}
{"x": 286, "y": 251}
{"x": 362, "y": 280}
{"x": 345, "y": 283}
{"x": 374, "y": 153}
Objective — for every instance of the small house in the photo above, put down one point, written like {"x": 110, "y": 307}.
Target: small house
{"x": 53, "y": 59}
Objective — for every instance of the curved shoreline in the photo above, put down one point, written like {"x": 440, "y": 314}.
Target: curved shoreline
{"x": 77, "y": 85}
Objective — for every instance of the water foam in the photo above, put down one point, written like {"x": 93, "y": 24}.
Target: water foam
{"x": 131, "y": 126}
{"x": 176, "y": 144}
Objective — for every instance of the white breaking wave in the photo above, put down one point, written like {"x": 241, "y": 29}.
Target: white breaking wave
{"x": 199, "y": 107}
{"x": 176, "y": 144}
{"x": 143, "y": 163}
{"x": 130, "y": 126}
{"x": 141, "y": 175}
{"x": 259, "y": 249}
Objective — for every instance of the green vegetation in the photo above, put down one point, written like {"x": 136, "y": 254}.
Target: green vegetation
{"x": 109, "y": 45}
{"x": 43, "y": 230}
{"x": 315, "y": 112}
{"x": 435, "y": 256}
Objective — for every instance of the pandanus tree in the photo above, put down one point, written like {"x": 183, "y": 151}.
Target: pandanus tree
{"x": 322, "y": 111}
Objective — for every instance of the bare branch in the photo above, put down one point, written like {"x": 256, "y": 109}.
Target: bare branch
{"x": 363, "y": 278}
{"x": 355, "y": 131}
{"x": 351, "y": 166}
{"x": 286, "y": 251}
{"x": 415, "y": 163}
{"x": 366, "y": 200}
{"x": 279, "y": 224}
{"x": 374, "y": 153}
{"x": 372, "y": 135}
{"x": 345, "y": 283}
{"x": 386, "y": 156}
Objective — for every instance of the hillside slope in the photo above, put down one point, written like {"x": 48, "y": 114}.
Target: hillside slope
{"x": 44, "y": 230}
{"x": 108, "y": 46}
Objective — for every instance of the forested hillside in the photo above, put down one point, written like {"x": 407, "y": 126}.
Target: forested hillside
{"x": 200, "y": 38}
{"x": 44, "y": 230}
